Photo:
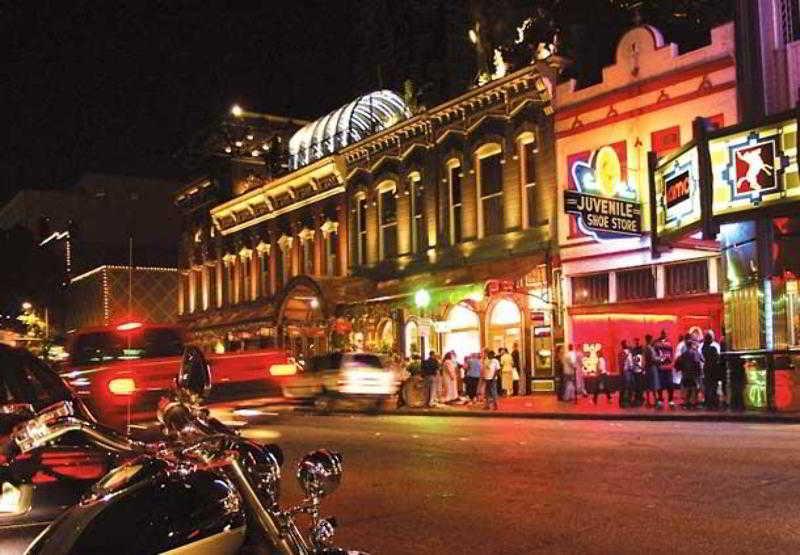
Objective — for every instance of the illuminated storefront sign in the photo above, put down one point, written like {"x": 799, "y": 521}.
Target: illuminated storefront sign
{"x": 598, "y": 193}
{"x": 677, "y": 192}
{"x": 754, "y": 168}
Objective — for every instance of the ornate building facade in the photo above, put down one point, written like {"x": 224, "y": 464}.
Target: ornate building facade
{"x": 385, "y": 230}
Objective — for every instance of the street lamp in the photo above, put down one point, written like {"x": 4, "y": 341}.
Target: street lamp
{"x": 237, "y": 111}
{"x": 422, "y": 298}
{"x": 26, "y": 306}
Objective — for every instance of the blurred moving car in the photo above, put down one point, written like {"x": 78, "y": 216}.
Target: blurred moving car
{"x": 122, "y": 371}
{"x": 335, "y": 376}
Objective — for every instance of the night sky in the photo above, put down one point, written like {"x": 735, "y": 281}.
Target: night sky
{"x": 121, "y": 87}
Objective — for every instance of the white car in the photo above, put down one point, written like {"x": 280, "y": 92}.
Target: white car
{"x": 342, "y": 376}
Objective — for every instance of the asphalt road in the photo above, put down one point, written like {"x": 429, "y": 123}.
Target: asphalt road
{"x": 426, "y": 485}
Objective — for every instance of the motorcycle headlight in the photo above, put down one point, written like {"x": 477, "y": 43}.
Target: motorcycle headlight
{"x": 320, "y": 473}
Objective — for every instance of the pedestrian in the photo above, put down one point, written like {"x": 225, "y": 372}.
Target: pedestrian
{"x": 665, "y": 356}
{"x": 450, "y": 375}
{"x": 570, "y": 365}
{"x": 650, "y": 361}
{"x": 518, "y": 371}
{"x": 473, "y": 375}
{"x": 711, "y": 370}
{"x": 558, "y": 370}
{"x": 690, "y": 363}
{"x": 506, "y": 372}
{"x": 625, "y": 365}
{"x": 638, "y": 372}
{"x": 491, "y": 369}
{"x": 580, "y": 382}
{"x": 430, "y": 369}
{"x": 601, "y": 376}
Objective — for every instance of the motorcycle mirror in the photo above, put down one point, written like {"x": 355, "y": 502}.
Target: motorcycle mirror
{"x": 320, "y": 473}
{"x": 17, "y": 409}
{"x": 194, "y": 378}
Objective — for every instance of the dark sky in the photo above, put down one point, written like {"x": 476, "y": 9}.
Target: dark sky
{"x": 120, "y": 87}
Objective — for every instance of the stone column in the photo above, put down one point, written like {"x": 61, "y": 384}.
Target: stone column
{"x": 469, "y": 202}
{"x": 319, "y": 245}
{"x": 219, "y": 275}
{"x": 513, "y": 193}
{"x": 405, "y": 217}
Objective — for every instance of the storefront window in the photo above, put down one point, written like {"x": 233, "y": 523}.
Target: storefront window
{"x": 636, "y": 284}
{"x": 464, "y": 336}
{"x": 687, "y": 278}
{"x": 591, "y": 289}
{"x": 505, "y": 323}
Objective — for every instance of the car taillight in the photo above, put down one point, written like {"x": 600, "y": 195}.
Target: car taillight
{"x": 288, "y": 369}
{"x": 122, "y": 386}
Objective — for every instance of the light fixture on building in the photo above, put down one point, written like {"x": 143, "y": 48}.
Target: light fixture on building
{"x": 26, "y": 306}
{"x": 255, "y": 153}
{"x": 238, "y": 143}
{"x": 237, "y": 111}
{"x": 249, "y": 137}
{"x": 228, "y": 149}
{"x": 314, "y": 303}
{"x": 422, "y": 298}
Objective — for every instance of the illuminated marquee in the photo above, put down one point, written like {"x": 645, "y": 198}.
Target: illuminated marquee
{"x": 677, "y": 192}
{"x": 598, "y": 194}
{"x": 754, "y": 167}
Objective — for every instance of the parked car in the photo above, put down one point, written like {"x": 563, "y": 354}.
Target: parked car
{"x": 54, "y": 476}
{"x": 122, "y": 371}
{"x": 336, "y": 376}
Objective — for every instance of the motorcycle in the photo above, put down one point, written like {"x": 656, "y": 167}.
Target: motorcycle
{"x": 202, "y": 489}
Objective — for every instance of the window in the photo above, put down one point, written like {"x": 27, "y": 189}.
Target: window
{"x": 528, "y": 151}
{"x": 491, "y": 194}
{"x": 636, "y": 284}
{"x": 229, "y": 282}
{"x": 665, "y": 141}
{"x": 591, "y": 289}
{"x": 307, "y": 261}
{"x": 454, "y": 212}
{"x": 280, "y": 268}
{"x": 388, "y": 223}
{"x": 263, "y": 274}
{"x": 361, "y": 227}
{"x": 418, "y": 236}
{"x": 687, "y": 278}
{"x": 331, "y": 251}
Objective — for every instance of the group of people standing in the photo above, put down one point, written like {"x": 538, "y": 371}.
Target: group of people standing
{"x": 481, "y": 378}
{"x": 651, "y": 373}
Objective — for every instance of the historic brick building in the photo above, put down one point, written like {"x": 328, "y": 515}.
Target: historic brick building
{"x": 385, "y": 230}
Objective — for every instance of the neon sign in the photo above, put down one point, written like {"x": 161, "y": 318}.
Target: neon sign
{"x": 677, "y": 192}
{"x": 754, "y": 167}
{"x": 599, "y": 195}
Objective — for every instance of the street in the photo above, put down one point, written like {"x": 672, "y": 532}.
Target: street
{"x": 468, "y": 485}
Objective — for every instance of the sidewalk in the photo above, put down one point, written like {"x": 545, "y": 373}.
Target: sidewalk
{"x": 540, "y": 405}
{"x": 547, "y": 406}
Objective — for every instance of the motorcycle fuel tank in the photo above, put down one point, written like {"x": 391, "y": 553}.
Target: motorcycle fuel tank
{"x": 145, "y": 507}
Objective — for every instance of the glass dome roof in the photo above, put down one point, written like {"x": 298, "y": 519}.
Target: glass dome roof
{"x": 364, "y": 116}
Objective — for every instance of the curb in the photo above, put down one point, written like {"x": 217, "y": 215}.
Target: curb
{"x": 723, "y": 417}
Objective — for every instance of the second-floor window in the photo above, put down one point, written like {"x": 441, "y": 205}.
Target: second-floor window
{"x": 331, "y": 252}
{"x": 388, "y": 223}
{"x": 419, "y": 240}
{"x": 454, "y": 210}
{"x": 528, "y": 152}
{"x": 307, "y": 261}
{"x": 491, "y": 194}
{"x": 361, "y": 228}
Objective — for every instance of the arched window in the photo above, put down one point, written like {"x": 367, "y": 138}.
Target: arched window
{"x": 387, "y": 211}
{"x": 463, "y": 335}
{"x": 490, "y": 190}
{"x": 454, "y": 200}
